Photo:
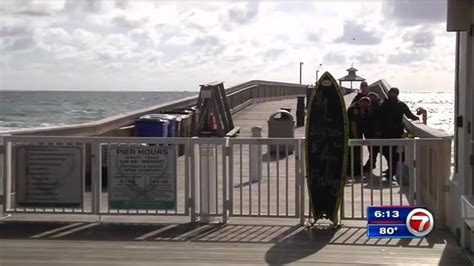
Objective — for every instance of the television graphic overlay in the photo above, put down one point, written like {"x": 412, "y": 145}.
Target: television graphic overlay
{"x": 399, "y": 222}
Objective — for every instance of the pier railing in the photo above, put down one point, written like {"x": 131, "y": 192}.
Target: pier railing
{"x": 238, "y": 97}
{"x": 215, "y": 178}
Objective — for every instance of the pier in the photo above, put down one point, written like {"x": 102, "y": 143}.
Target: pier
{"x": 250, "y": 221}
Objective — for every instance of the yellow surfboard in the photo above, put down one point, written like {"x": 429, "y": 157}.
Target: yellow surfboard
{"x": 326, "y": 149}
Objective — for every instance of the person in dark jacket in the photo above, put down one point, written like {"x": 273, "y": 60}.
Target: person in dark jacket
{"x": 390, "y": 126}
{"x": 370, "y": 130}
{"x": 356, "y": 114}
{"x": 364, "y": 92}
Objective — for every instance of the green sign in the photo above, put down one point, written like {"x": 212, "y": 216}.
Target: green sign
{"x": 142, "y": 177}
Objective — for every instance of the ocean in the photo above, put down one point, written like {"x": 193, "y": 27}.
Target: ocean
{"x": 29, "y": 109}
{"x": 439, "y": 106}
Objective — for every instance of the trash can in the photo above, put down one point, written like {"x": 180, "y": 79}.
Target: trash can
{"x": 281, "y": 124}
{"x": 300, "y": 112}
{"x": 184, "y": 121}
{"x": 151, "y": 126}
{"x": 173, "y": 127}
{"x": 188, "y": 120}
{"x": 309, "y": 91}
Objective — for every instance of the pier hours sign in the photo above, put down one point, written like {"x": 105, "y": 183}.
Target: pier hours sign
{"x": 142, "y": 177}
{"x": 49, "y": 175}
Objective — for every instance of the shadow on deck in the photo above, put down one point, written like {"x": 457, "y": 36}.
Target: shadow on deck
{"x": 277, "y": 244}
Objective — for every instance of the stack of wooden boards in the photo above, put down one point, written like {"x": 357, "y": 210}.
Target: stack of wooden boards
{"x": 215, "y": 118}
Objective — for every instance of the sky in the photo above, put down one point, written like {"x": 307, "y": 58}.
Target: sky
{"x": 158, "y": 46}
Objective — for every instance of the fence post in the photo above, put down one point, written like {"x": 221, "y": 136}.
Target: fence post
{"x": 439, "y": 191}
{"x": 187, "y": 196}
{"x": 225, "y": 148}
{"x": 410, "y": 158}
{"x": 193, "y": 180}
{"x": 96, "y": 177}
{"x": 255, "y": 156}
{"x": 230, "y": 201}
{"x": 7, "y": 175}
{"x": 301, "y": 179}
{"x": 418, "y": 196}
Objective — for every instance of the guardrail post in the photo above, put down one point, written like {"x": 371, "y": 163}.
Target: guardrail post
{"x": 418, "y": 193}
{"x": 439, "y": 185}
{"x": 187, "y": 179}
{"x": 7, "y": 176}
{"x": 96, "y": 178}
{"x": 300, "y": 179}
{"x": 255, "y": 156}
{"x": 193, "y": 198}
{"x": 225, "y": 200}
{"x": 410, "y": 158}
{"x": 208, "y": 179}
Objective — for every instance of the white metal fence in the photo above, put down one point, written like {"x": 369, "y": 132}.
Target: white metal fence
{"x": 249, "y": 177}
{"x": 266, "y": 178}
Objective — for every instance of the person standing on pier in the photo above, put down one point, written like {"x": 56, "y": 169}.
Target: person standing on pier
{"x": 357, "y": 114}
{"x": 370, "y": 130}
{"x": 391, "y": 126}
{"x": 364, "y": 92}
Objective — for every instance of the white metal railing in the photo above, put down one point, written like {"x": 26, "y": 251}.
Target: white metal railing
{"x": 415, "y": 180}
{"x": 266, "y": 178}
{"x": 379, "y": 188}
{"x": 248, "y": 177}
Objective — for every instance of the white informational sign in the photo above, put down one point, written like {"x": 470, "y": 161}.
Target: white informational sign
{"x": 48, "y": 175}
{"x": 142, "y": 177}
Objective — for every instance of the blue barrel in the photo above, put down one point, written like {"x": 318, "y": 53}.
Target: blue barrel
{"x": 151, "y": 126}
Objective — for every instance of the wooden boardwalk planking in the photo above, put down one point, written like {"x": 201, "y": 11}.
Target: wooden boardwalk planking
{"x": 249, "y": 241}
{"x": 234, "y": 243}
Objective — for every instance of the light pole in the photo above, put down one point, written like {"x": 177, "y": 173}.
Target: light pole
{"x": 301, "y": 73}
{"x": 317, "y": 72}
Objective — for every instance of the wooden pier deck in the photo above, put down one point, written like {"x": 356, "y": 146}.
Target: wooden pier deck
{"x": 153, "y": 240}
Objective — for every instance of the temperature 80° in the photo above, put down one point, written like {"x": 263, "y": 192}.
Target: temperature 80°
{"x": 387, "y": 230}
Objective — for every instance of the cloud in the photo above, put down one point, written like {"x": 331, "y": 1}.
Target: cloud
{"x": 416, "y": 46}
{"x": 368, "y": 58}
{"x": 408, "y": 13}
{"x": 34, "y": 13}
{"x": 240, "y": 15}
{"x": 31, "y": 8}
{"x": 18, "y": 44}
{"x": 207, "y": 46}
{"x": 155, "y": 44}
{"x": 293, "y": 8}
{"x": 14, "y": 30}
{"x": 418, "y": 39}
{"x": 334, "y": 57}
{"x": 206, "y": 41}
{"x": 125, "y": 22}
{"x": 273, "y": 53}
{"x": 359, "y": 33}
{"x": 245, "y": 15}
{"x": 406, "y": 57}
{"x": 88, "y": 6}
{"x": 313, "y": 37}
{"x": 122, "y": 4}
